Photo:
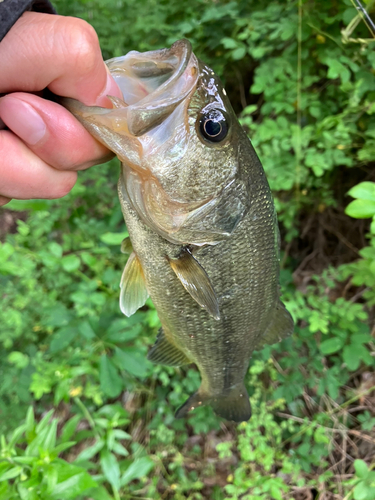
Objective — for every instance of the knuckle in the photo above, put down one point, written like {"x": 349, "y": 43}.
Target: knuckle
{"x": 81, "y": 44}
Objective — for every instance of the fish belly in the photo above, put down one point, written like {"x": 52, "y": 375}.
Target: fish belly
{"x": 244, "y": 273}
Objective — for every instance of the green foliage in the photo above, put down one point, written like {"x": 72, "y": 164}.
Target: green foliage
{"x": 102, "y": 425}
{"x": 362, "y": 272}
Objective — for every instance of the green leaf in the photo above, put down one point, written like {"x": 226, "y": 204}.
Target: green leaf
{"x": 17, "y": 433}
{"x": 332, "y": 345}
{"x": 69, "y": 428}
{"x": 361, "y": 209}
{"x": 131, "y": 362}
{"x": 18, "y": 359}
{"x": 110, "y": 468}
{"x": 110, "y": 380}
{"x": 50, "y": 439}
{"x": 139, "y": 468}
{"x": 73, "y": 486}
{"x": 239, "y": 53}
{"x": 113, "y": 238}
{"x": 70, "y": 263}
{"x": 62, "y": 338}
{"x": 63, "y": 446}
{"x": 100, "y": 493}
{"x": 119, "y": 449}
{"x": 364, "y": 191}
{"x": 44, "y": 422}
{"x": 229, "y": 43}
{"x": 90, "y": 452}
{"x": 361, "y": 492}
{"x": 11, "y": 473}
{"x": 353, "y": 354}
{"x": 55, "y": 249}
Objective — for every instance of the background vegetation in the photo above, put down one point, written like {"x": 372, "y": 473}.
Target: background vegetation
{"x": 83, "y": 415}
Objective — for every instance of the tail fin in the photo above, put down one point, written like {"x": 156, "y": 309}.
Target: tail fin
{"x": 232, "y": 404}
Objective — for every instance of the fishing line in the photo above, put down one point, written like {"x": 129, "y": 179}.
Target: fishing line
{"x": 365, "y": 16}
{"x": 298, "y": 147}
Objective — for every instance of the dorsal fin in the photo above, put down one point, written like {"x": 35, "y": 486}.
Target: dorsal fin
{"x": 165, "y": 353}
{"x": 196, "y": 281}
{"x": 133, "y": 293}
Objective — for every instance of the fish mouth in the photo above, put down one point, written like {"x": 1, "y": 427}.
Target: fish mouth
{"x": 153, "y": 83}
{"x": 149, "y": 123}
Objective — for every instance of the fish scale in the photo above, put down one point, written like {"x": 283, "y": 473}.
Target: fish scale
{"x": 201, "y": 220}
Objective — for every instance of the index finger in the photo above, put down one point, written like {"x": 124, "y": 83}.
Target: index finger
{"x": 62, "y": 53}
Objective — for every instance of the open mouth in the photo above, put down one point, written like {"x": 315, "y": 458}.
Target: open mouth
{"x": 153, "y": 84}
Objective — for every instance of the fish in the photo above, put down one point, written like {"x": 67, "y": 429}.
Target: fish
{"x": 203, "y": 233}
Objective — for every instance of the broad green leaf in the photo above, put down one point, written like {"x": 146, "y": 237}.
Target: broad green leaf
{"x": 90, "y": 452}
{"x": 332, "y": 345}
{"x": 361, "y": 469}
{"x": 62, "y": 338}
{"x": 362, "y": 492}
{"x": 229, "y": 43}
{"x": 86, "y": 330}
{"x": 354, "y": 354}
{"x": 62, "y": 447}
{"x": 55, "y": 249}
{"x": 132, "y": 362}
{"x": 69, "y": 428}
{"x": 364, "y": 191}
{"x": 51, "y": 477}
{"x": 139, "y": 468}
{"x": 18, "y": 359}
{"x": 120, "y": 434}
{"x": 110, "y": 468}
{"x": 113, "y": 238}
{"x": 70, "y": 263}
{"x": 50, "y": 439}
{"x": 100, "y": 493}
{"x": 10, "y": 474}
{"x": 110, "y": 380}
{"x": 119, "y": 449}
{"x": 73, "y": 487}
{"x": 361, "y": 209}
{"x": 42, "y": 425}
{"x": 238, "y": 53}
{"x": 17, "y": 433}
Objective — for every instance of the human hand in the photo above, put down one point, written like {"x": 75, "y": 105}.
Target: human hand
{"x": 45, "y": 145}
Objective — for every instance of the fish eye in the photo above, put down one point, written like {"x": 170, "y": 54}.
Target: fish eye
{"x": 213, "y": 125}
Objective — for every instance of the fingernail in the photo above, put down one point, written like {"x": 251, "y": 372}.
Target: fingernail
{"x": 111, "y": 88}
{"x": 23, "y": 120}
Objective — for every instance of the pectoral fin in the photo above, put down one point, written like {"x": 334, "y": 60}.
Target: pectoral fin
{"x": 196, "y": 281}
{"x": 133, "y": 293}
{"x": 280, "y": 327}
{"x": 165, "y": 353}
{"x": 126, "y": 246}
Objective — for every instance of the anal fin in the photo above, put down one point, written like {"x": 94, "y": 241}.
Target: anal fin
{"x": 165, "y": 353}
{"x": 280, "y": 327}
{"x": 196, "y": 281}
{"x": 133, "y": 293}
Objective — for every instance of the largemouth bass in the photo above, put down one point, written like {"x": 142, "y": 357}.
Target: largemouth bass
{"x": 204, "y": 239}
